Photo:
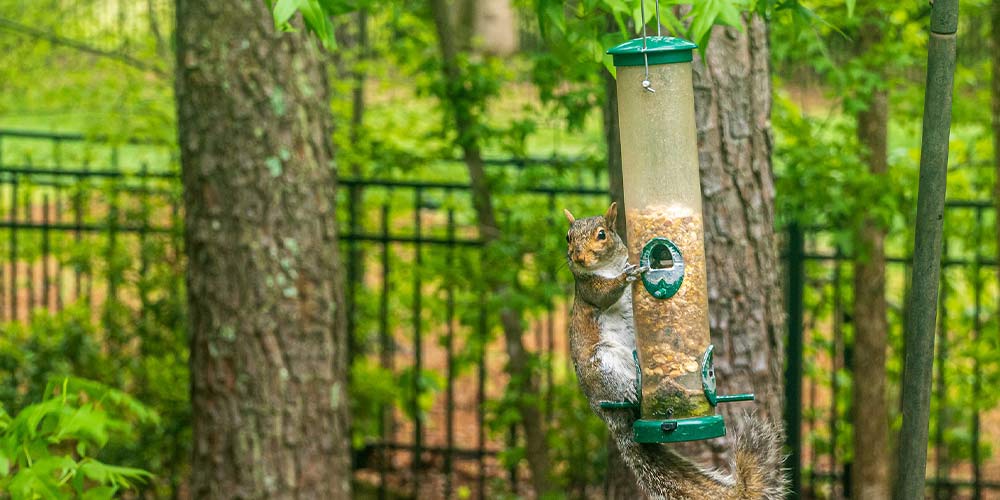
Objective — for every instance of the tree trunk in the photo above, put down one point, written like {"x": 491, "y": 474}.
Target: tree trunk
{"x": 612, "y": 137}
{"x": 870, "y": 409}
{"x": 358, "y": 41}
{"x": 496, "y": 27}
{"x": 733, "y": 109}
{"x": 267, "y": 346}
{"x": 523, "y": 380}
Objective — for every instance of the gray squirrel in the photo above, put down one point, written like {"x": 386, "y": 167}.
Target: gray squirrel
{"x": 602, "y": 339}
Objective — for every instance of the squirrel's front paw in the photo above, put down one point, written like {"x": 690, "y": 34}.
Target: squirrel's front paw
{"x": 632, "y": 272}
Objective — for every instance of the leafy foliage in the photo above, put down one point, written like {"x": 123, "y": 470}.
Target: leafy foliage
{"x": 93, "y": 94}
{"x": 134, "y": 340}
{"x": 50, "y": 448}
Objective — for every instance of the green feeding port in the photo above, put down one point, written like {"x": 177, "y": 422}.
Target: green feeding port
{"x": 692, "y": 428}
{"x": 659, "y": 50}
{"x": 666, "y": 268}
{"x": 660, "y": 258}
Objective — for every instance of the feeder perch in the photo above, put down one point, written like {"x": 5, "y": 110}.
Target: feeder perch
{"x": 665, "y": 231}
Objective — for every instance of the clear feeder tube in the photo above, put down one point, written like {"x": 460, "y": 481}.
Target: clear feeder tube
{"x": 665, "y": 229}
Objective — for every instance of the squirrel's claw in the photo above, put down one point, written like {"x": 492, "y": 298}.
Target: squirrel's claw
{"x": 632, "y": 272}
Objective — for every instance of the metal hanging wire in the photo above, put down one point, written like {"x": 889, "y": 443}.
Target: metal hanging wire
{"x": 646, "y": 84}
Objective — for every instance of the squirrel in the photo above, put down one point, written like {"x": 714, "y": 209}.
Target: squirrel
{"x": 602, "y": 342}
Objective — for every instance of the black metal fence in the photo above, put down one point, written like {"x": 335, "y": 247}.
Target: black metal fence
{"x": 77, "y": 214}
{"x": 962, "y": 457}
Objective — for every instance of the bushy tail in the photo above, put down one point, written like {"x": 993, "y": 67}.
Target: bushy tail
{"x": 758, "y": 460}
{"x": 663, "y": 474}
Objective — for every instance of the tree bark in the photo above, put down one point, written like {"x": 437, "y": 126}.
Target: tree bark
{"x": 871, "y": 329}
{"x": 733, "y": 109}
{"x": 267, "y": 360}
{"x": 496, "y": 26}
{"x": 523, "y": 380}
{"x": 612, "y": 137}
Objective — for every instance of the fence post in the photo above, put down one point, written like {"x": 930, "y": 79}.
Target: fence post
{"x": 977, "y": 326}
{"x": 354, "y": 273}
{"x": 449, "y": 406}
{"x": 793, "y": 355}
{"x": 387, "y": 432}
{"x": 46, "y": 250}
{"x": 418, "y": 356}
{"x": 13, "y": 248}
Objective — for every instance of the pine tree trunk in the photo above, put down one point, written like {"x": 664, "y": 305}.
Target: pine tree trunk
{"x": 267, "y": 346}
{"x": 871, "y": 329}
{"x": 733, "y": 110}
{"x": 612, "y": 137}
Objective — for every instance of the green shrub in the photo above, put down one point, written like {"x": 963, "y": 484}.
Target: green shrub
{"x": 50, "y": 449}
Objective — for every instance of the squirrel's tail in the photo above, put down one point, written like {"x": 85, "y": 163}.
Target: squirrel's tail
{"x": 758, "y": 459}
{"x": 663, "y": 474}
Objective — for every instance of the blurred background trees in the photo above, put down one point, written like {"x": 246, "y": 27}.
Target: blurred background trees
{"x": 459, "y": 129}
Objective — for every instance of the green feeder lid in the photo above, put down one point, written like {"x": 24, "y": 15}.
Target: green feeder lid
{"x": 659, "y": 49}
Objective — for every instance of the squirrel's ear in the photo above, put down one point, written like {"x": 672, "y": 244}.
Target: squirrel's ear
{"x": 569, "y": 216}
{"x": 611, "y": 214}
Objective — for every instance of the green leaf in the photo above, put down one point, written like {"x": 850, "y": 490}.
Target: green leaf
{"x": 318, "y": 21}
{"x": 100, "y": 493}
{"x": 283, "y": 11}
{"x": 340, "y": 7}
{"x": 850, "y": 8}
{"x": 555, "y": 14}
{"x": 808, "y": 17}
{"x": 114, "y": 397}
{"x": 86, "y": 423}
{"x": 114, "y": 475}
{"x": 609, "y": 65}
{"x": 729, "y": 14}
{"x": 35, "y": 483}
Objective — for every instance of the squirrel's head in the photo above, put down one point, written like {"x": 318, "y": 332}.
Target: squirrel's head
{"x": 593, "y": 242}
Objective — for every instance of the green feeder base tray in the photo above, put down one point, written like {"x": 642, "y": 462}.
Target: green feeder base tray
{"x": 677, "y": 430}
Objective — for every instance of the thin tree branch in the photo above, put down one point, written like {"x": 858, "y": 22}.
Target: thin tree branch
{"x": 17, "y": 27}
{"x": 154, "y": 27}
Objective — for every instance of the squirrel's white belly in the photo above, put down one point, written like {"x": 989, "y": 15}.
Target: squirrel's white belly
{"x": 617, "y": 344}
{"x": 616, "y": 325}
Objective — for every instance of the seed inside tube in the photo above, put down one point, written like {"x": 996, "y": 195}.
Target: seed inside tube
{"x": 671, "y": 334}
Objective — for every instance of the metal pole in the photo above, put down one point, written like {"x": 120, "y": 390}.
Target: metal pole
{"x": 386, "y": 353}
{"x": 919, "y": 342}
{"x": 418, "y": 348}
{"x": 977, "y": 376}
{"x": 941, "y": 459}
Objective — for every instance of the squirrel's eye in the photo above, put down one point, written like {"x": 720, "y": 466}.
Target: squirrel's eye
{"x": 601, "y": 235}
{"x": 567, "y": 237}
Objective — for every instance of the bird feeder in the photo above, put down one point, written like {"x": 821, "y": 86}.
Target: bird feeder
{"x": 665, "y": 233}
